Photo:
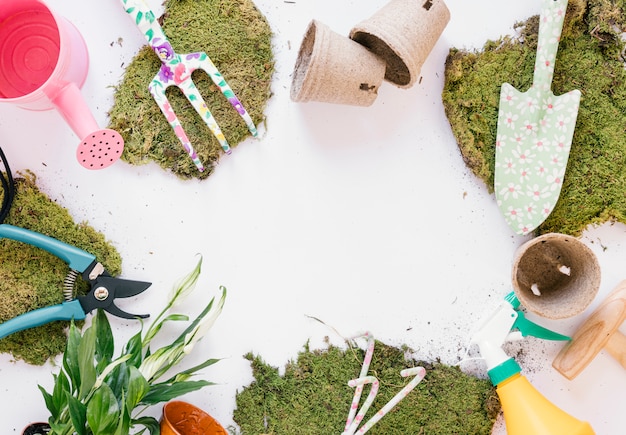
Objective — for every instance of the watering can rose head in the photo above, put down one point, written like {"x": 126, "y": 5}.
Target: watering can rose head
{"x": 95, "y": 393}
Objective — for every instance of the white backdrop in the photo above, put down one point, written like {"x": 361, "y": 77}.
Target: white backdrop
{"x": 366, "y": 218}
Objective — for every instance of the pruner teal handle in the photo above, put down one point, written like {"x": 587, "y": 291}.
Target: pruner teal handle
{"x": 65, "y": 311}
{"x": 526, "y": 327}
{"x": 76, "y": 258}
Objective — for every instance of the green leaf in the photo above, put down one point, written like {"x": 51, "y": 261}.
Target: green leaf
{"x": 123, "y": 425}
{"x": 50, "y": 403}
{"x": 138, "y": 387}
{"x": 70, "y": 357}
{"x": 134, "y": 348}
{"x": 179, "y": 291}
{"x": 86, "y": 355}
{"x": 191, "y": 327}
{"x": 186, "y": 373}
{"x": 61, "y": 388}
{"x": 165, "y": 392}
{"x": 150, "y": 423}
{"x": 78, "y": 414}
{"x": 105, "y": 344}
{"x": 103, "y": 411}
{"x": 118, "y": 379}
{"x": 155, "y": 328}
{"x": 60, "y": 427}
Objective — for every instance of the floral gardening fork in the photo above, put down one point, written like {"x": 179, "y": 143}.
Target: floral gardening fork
{"x": 176, "y": 70}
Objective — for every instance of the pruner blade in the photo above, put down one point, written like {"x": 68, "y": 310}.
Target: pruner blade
{"x": 106, "y": 289}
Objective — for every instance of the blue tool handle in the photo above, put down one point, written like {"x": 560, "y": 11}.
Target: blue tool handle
{"x": 65, "y": 311}
{"x": 76, "y": 258}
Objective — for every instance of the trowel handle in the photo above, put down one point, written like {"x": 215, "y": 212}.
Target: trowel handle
{"x": 599, "y": 331}
{"x": 605, "y": 321}
{"x": 550, "y": 27}
{"x": 616, "y": 346}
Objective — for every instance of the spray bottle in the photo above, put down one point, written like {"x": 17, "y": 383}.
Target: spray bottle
{"x": 526, "y": 410}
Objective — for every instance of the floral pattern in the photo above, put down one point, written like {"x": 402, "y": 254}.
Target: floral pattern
{"x": 176, "y": 71}
{"x": 534, "y": 135}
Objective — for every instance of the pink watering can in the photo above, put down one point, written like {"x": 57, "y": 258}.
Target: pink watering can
{"x": 43, "y": 64}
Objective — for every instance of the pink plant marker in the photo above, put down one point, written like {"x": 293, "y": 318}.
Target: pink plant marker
{"x": 353, "y": 421}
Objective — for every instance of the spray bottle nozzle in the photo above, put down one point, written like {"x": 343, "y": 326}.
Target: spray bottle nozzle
{"x": 507, "y": 322}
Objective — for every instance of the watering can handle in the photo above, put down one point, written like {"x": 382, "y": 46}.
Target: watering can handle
{"x": 550, "y": 27}
{"x": 144, "y": 19}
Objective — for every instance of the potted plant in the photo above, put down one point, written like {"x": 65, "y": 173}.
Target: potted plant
{"x": 182, "y": 418}
{"x": 94, "y": 393}
{"x": 39, "y": 428}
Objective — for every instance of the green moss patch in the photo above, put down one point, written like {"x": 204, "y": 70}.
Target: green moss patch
{"x": 32, "y": 278}
{"x": 237, "y": 37}
{"x": 313, "y": 396}
{"x": 591, "y": 59}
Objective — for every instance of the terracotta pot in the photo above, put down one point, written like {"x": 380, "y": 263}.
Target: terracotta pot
{"x": 37, "y": 429}
{"x": 332, "y": 68}
{"x": 182, "y": 418}
{"x": 403, "y": 33}
{"x": 555, "y": 275}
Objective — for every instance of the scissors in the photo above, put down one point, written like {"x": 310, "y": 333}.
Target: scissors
{"x": 104, "y": 288}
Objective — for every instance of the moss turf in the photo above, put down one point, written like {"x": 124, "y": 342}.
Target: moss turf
{"x": 32, "y": 278}
{"x": 313, "y": 396}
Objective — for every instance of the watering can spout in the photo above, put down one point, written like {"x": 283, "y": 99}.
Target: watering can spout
{"x": 72, "y": 107}
{"x": 99, "y": 148}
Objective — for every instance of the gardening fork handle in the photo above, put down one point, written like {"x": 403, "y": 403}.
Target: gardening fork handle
{"x": 550, "y": 28}
{"x": 145, "y": 20}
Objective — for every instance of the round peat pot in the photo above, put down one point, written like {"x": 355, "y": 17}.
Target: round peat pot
{"x": 182, "y": 418}
{"x": 332, "y": 68}
{"x": 555, "y": 276}
{"x": 403, "y": 33}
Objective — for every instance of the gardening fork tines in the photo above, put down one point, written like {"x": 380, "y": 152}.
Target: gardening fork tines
{"x": 176, "y": 70}
{"x": 534, "y": 134}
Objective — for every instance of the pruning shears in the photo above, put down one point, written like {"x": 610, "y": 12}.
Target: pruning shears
{"x": 104, "y": 288}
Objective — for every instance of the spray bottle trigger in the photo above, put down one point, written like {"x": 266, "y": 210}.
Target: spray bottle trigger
{"x": 526, "y": 327}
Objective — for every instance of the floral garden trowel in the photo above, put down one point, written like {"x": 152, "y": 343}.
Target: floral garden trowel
{"x": 534, "y": 136}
